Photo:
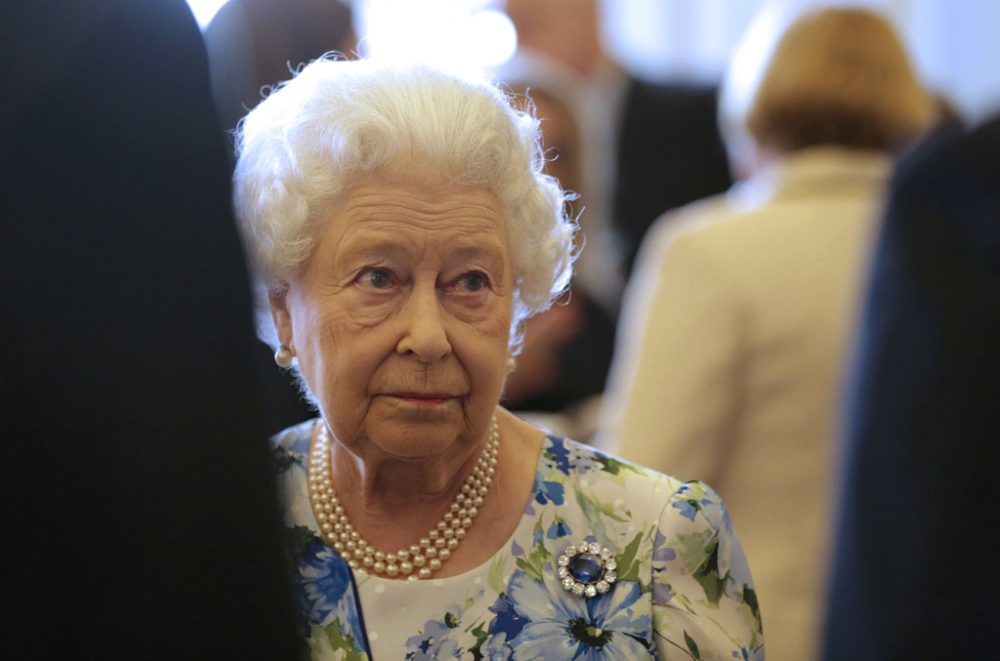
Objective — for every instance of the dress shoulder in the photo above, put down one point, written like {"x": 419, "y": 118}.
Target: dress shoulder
{"x": 295, "y": 438}
{"x": 646, "y": 491}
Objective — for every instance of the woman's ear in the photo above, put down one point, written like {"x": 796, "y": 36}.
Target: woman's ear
{"x": 277, "y": 296}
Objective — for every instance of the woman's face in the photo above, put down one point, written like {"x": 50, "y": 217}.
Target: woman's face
{"x": 402, "y": 316}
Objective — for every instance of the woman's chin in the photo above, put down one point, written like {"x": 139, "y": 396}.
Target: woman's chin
{"x": 419, "y": 429}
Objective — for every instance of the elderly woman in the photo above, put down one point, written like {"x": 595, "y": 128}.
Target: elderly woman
{"x": 735, "y": 326}
{"x": 402, "y": 228}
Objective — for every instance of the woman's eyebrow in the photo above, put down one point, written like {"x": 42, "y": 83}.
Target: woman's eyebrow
{"x": 375, "y": 249}
{"x": 393, "y": 247}
{"x": 487, "y": 250}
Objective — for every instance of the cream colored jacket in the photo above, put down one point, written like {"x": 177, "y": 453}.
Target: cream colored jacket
{"x": 731, "y": 345}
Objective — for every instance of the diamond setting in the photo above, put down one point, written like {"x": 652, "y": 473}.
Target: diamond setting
{"x": 587, "y": 569}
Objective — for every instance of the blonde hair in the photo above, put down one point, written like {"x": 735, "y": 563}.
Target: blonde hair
{"x": 838, "y": 76}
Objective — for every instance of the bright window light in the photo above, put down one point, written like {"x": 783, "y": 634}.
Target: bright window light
{"x": 205, "y": 10}
{"x": 460, "y": 35}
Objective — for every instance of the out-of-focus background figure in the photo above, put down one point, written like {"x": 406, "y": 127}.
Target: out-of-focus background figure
{"x": 918, "y": 498}
{"x": 256, "y": 44}
{"x": 736, "y": 320}
{"x": 551, "y": 384}
{"x": 650, "y": 146}
{"x": 140, "y": 509}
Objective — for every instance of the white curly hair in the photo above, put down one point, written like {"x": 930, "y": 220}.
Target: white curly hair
{"x": 336, "y": 122}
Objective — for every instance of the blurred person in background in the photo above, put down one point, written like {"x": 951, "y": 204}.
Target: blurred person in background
{"x": 649, "y": 146}
{"x": 917, "y": 537}
{"x": 140, "y": 507}
{"x": 255, "y": 44}
{"x": 731, "y": 345}
{"x": 551, "y": 384}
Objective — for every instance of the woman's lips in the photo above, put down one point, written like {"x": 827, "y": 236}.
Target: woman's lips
{"x": 423, "y": 399}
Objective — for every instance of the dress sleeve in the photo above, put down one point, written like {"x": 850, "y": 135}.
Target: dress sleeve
{"x": 674, "y": 390}
{"x": 704, "y": 601}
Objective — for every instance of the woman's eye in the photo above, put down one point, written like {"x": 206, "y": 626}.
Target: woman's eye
{"x": 376, "y": 278}
{"x": 473, "y": 282}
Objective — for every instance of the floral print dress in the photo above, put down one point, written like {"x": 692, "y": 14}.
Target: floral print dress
{"x": 683, "y": 588}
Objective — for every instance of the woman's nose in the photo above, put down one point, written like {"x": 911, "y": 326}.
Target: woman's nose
{"x": 424, "y": 334}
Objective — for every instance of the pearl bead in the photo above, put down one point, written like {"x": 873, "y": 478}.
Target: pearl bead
{"x": 419, "y": 560}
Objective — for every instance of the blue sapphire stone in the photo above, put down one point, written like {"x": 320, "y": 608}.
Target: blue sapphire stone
{"x": 586, "y": 567}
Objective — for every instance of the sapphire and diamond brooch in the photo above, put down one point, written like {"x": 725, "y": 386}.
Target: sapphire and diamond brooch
{"x": 587, "y": 569}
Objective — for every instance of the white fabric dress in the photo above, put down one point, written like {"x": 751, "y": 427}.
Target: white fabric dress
{"x": 683, "y": 588}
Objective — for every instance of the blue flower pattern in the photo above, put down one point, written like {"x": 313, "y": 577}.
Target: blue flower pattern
{"x": 559, "y": 625}
{"x": 684, "y": 587}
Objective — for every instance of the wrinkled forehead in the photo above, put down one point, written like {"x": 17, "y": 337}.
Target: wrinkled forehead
{"x": 397, "y": 216}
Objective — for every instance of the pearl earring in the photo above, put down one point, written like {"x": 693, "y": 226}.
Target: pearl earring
{"x": 283, "y": 356}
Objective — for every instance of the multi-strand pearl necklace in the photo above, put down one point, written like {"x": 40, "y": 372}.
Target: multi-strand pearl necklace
{"x": 420, "y": 560}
